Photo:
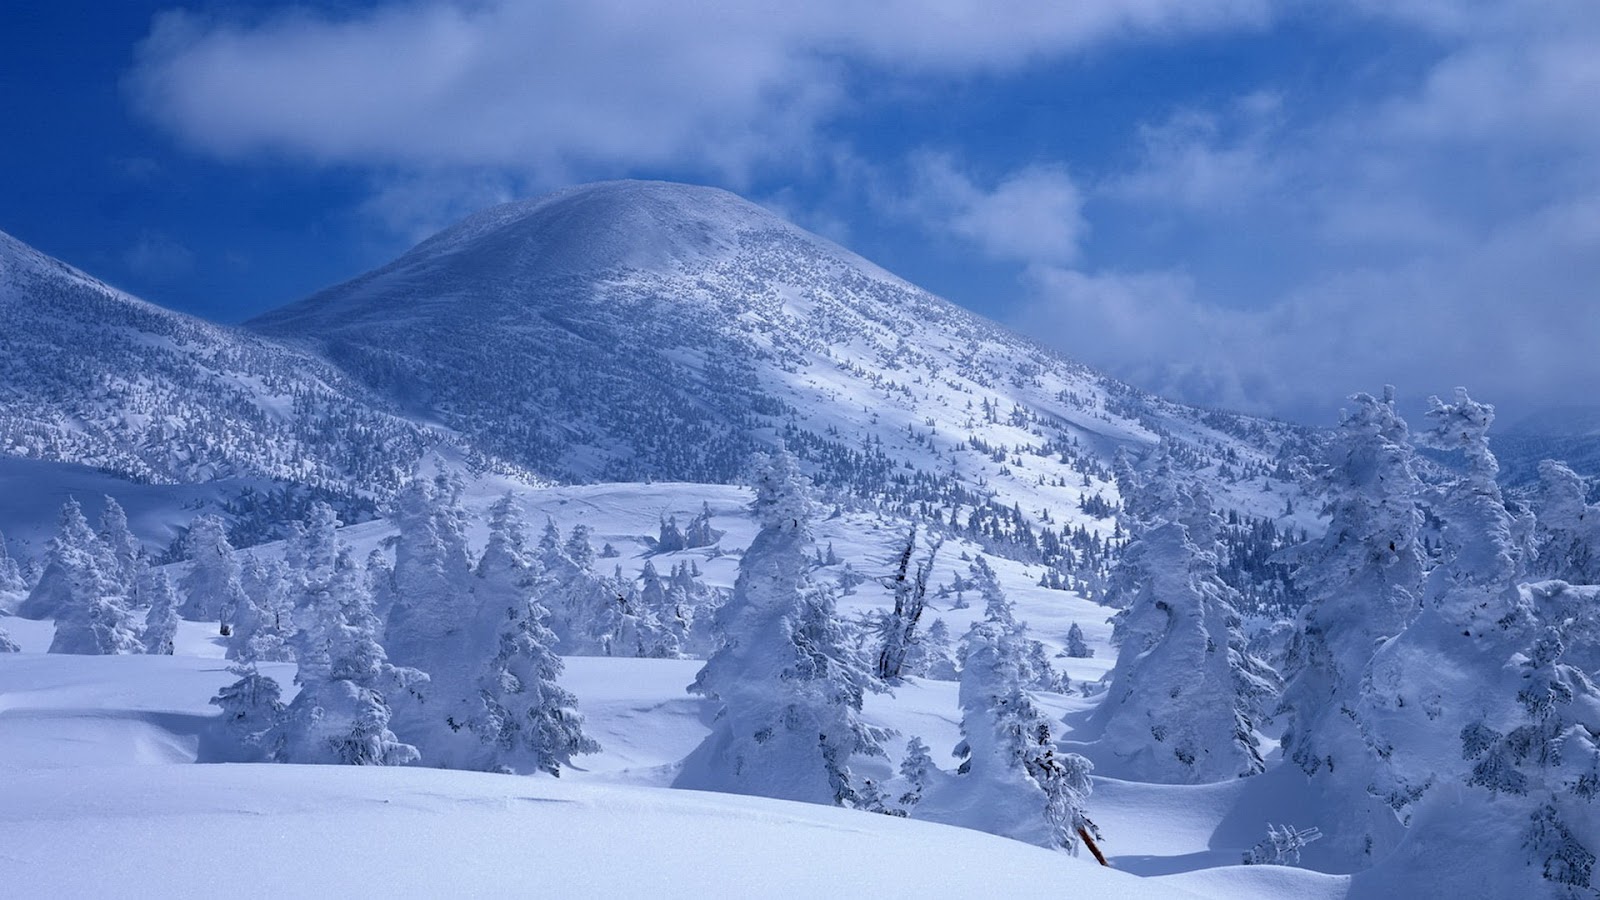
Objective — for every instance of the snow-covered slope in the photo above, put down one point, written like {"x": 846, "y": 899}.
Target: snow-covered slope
{"x": 627, "y": 330}
{"x": 91, "y": 375}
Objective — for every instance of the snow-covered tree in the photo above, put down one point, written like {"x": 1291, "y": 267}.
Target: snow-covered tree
{"x": 915, "y": 768}
{"x": 1185, "y": 693}
{"x": 700, "y": 533}
{"x": 1077, "y": 647}
{"x": 1011, "y": 780}
{"x": 1362, "y": 581}
{"x": 7, "y": 645}
{"x": 341, "y": 714}
{"x": 252, "y": 716}
{"x": 1567, "y": 539}
{"x": 1473, "y": 619}
{"x": 211, "y": 588}
{"x": 75, "y": 562}
{"x": 899, "y": 629}
{"x": 529, "y": 723}
{"x": 933, "y": 656}
{"x": 788, "y": 695}
{"x": 123, "y": 547}
{"x": 161, "y": 620}
{"x": 264, "y": 624}
{"x": 13, "y": 587}
{"x": 431, "y": 571}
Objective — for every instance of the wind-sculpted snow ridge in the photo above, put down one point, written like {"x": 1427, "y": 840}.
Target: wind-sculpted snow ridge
{"x": 627, "y": 331}
{"x": 91, "y": 375}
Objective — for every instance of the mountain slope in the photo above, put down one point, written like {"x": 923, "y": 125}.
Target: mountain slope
{"x": 633, "y": 330}
{"x": 91, "y": 375}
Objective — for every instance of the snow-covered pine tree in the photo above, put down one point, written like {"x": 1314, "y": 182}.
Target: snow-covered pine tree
{"x": 341, "y": 714}
{"x": 252, "y": 716}
{"x": 1011, "y": 781}
{"x": 72, "y": 564}
{"x": 80, "y": 589}
{"x": 1077, "y": 647}
{"x": 264, "y": 624}
{"x": 1362, "y": 582}
{"x": 530, "y": 722}
{"x": 7, "y": 645}
{"x": 933, "y": 657}
{"x": 1567, "y": 537}
{"x": 432, "y": 569}
{"x": 13, "y": 587}
{"x": 700, "y": 533}
{"x": 915, "y": 768}
{"x": 124, "y": 549}
{"x": 161, "y": 619}
{"x": 1185, "y": 693}
{"x": 788, "y": 695}
{"x": 211, "y": 588}
{"x": 1473, "y": 619}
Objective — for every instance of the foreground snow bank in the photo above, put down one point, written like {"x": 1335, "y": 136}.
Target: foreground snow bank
{"x": 343, "y": 831}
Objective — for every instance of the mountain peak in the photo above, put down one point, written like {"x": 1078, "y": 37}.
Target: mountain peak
{"x": 649, "y": 225}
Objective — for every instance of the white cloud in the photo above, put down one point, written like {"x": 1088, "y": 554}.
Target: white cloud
{"x": 550, "y": 86}
{"x": 1032, "y": 215}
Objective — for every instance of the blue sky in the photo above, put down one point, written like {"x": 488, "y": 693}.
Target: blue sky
{"x": 1262, "y": 205}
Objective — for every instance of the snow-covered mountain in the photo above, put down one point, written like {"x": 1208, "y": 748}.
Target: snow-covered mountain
{"x": 91, "y": 375}
{"x": 633, "y": 330}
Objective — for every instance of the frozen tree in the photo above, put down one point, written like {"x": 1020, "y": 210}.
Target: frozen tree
{"x": 1362, "y": 581}
{"x": 1010, "y": 781}
{"x": 1077, "y": 648}
{"x": 75, "y": 562}
{"x": 252, "y": 716}
{"x": 915, "y": 768}
{"x": 341, "y": 715}
{"x": 671, "y": 538}
{"x": 7, "y": 645}
{"x": 211, "y": 587}
{"x": 1547, "y": 761}
{"x": 899, "y": 628}
{"x": 13, "y": 587}
{"x": 123, "y": 547}
{"x": 1472, "y": 620}
{"x": 1567, "y": 539}
{"x": 161, "y": 620}
{"x": 788, "y": 695}
{"x": 624, "y": 625}
{"x": 933, "y": 656}
{"x": 431, "y": 572}
{"x": 529, "y": 722}
{"x": 700, "y": 533}
{"x": 1185, "y": 693}
{"x": 264, "y": 625}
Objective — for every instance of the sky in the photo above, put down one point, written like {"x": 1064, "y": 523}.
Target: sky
{"x": 1258, "y": 205}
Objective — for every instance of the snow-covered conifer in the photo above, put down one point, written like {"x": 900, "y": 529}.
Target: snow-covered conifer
{"x": 1362, "y": 581}
{"x": 915, "y": 768}
{"x": 252, "y": 716}
{"x": 1077, "y": 648}
{"x": 341, "y": 714}
{"x": 161, "y": 620}
{"x": 72, "y": 565}
{"x": 431, "y": 572}
{"x": 124, "y": 549}
{"x": 1185, "y": 692}
{"x": 700, "y": 533}
{"x": 211, "y": 588}
{"x": 1567, "y": 539}
{"x": 530, "y": 722}
{"x": 788, "y": 695}
{"x": 13, "y": 587}
{"x": 1010, "y": 781}
{"x": 264, "y": 624}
